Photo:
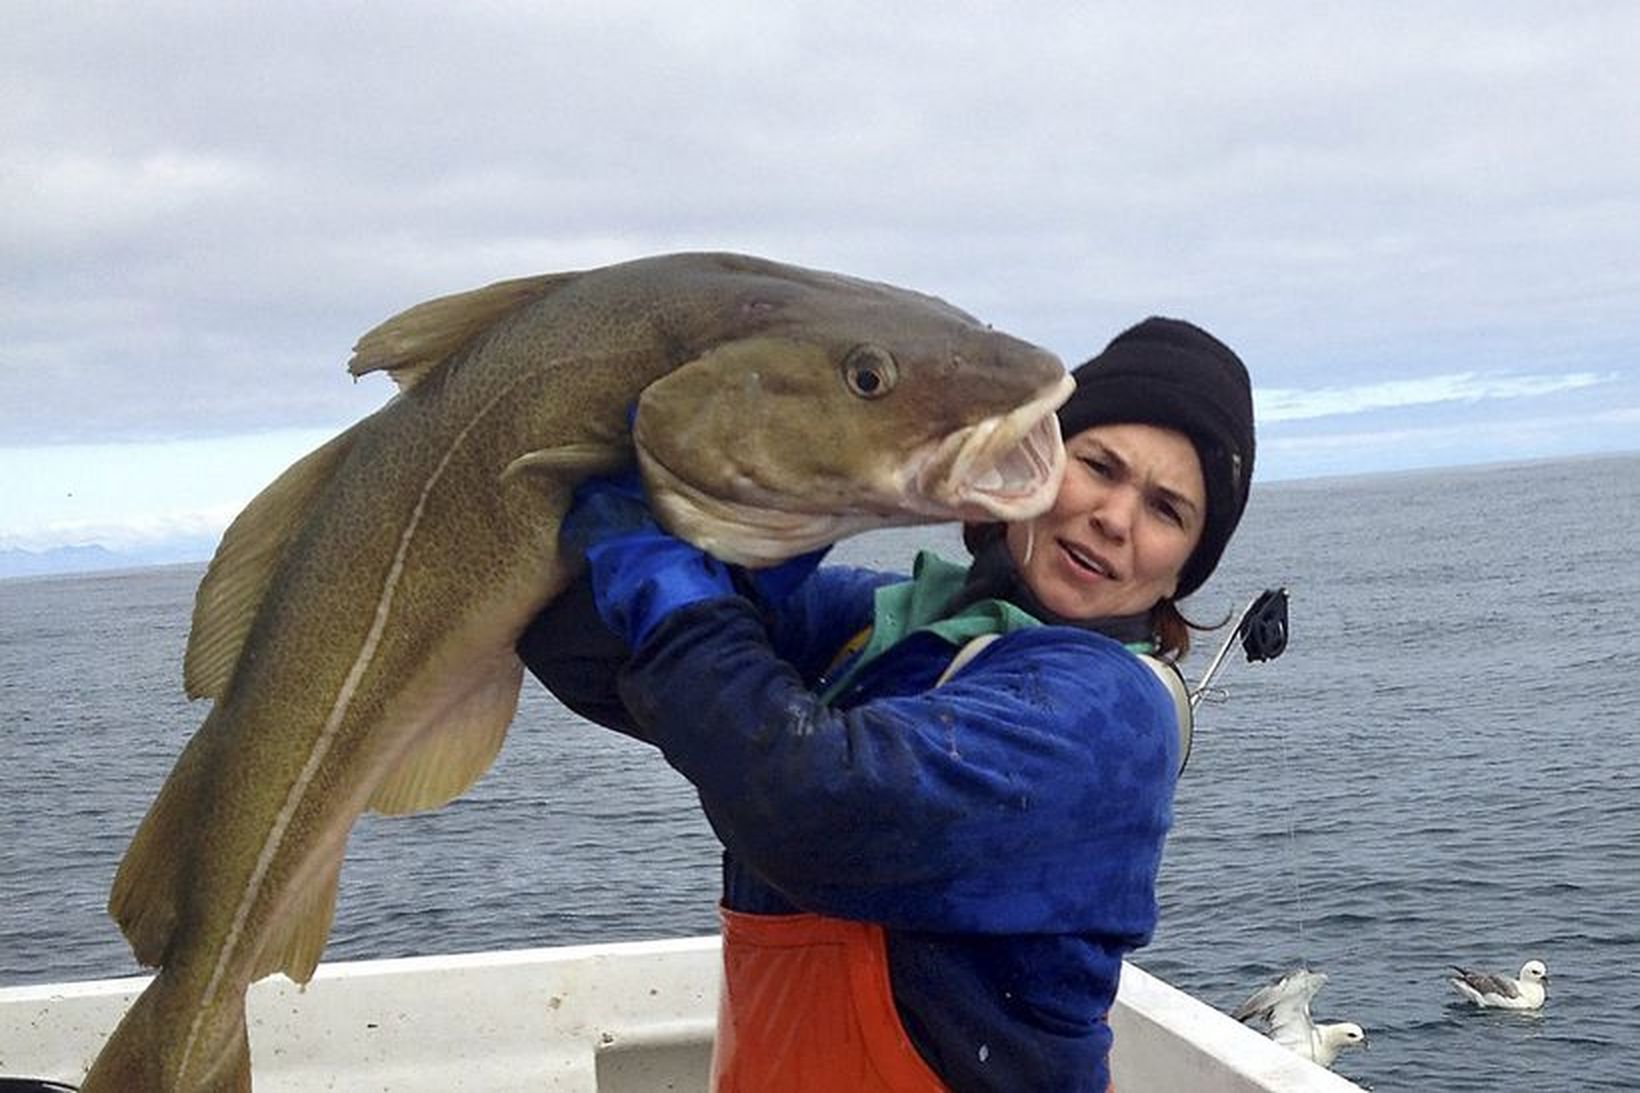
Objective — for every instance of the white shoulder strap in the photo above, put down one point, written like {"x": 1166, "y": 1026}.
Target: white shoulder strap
{"x": 1174, "y": 682}
{"x": 967, "y": 653}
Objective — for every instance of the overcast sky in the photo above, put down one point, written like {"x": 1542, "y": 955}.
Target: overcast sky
{"x": 1418, "y": 223}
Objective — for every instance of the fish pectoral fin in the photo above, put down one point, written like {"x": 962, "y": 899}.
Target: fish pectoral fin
{"x": 412, "y": 342}
{"x": 243, "y": 567}
{"x": 570, "y": 462}
{"x": 300, "y": 937}
{"x": 450, "y": 757}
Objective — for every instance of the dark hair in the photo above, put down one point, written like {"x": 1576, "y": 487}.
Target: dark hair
{"x": 1170, "y": 630}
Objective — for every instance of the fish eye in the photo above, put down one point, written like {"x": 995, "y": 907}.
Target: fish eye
{"x": 869, "y": 371}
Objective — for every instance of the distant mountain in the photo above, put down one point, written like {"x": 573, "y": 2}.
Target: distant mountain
{"x": 89, "y": 557}
{"x": 69, "y": 559}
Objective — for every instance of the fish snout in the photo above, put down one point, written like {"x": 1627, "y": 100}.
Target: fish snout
{"x": 1017, "y": 360}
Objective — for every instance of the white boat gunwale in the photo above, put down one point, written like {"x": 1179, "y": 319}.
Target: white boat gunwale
{"x": 624, "y": 1017}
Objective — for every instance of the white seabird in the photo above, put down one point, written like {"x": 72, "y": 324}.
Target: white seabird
{"x": 1527, "y": 992}
{"x": 1284, "y": 1006}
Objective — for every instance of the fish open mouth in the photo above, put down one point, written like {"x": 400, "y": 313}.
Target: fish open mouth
{"x": 1006, "y": 467}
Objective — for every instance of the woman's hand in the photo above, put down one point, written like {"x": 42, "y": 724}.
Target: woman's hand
{"x": 640, "y": 573}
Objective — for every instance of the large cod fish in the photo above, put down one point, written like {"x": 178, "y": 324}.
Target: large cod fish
{"x": 355, "y": 630}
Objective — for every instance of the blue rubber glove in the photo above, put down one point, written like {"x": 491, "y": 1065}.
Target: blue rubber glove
{"x": 640, "y": 574}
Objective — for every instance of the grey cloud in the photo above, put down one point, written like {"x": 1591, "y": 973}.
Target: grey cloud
{"x": 204, "y": 206}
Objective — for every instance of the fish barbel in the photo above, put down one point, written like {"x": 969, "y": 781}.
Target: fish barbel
{"x": 355, "y": 629}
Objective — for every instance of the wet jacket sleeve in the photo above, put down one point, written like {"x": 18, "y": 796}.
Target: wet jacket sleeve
{"x": 1030, "y": 793}
{"x": 576, "y": 657}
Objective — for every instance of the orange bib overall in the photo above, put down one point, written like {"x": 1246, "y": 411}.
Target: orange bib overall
{"x": 806, "y": 1008}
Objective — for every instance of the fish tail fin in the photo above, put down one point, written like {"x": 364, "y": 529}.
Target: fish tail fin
{"x": 233, "y": 1074}
{"x": 145, "y": 1051}
{"x": 127, "y": 1060}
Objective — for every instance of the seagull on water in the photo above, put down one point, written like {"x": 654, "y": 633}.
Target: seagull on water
{"x": 1284, "y": 1006}
{"x": 1527, "y": 992}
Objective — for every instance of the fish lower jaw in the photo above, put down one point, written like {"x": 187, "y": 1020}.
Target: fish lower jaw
{"x": 980, "y": 505}
{"x": 755, "y": 537}
{"x": 739, "y": 532}
{"x": 1004, "y": 468}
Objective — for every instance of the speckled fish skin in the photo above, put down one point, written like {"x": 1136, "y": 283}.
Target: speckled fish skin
{"x": 355, "y": 630}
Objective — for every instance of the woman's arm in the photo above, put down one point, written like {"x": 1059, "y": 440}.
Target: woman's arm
{"x": 1030, "y": 793}
{"x": 576, "y": 657}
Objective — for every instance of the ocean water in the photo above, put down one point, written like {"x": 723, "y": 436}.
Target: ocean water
{"x": 1443, "y": 768}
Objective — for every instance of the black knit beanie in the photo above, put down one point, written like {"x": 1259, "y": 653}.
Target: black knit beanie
{"x": 1174, "y": 374}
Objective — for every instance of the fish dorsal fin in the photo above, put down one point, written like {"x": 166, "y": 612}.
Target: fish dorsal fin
{"x": 149, "y": 883}
{"x": 299, "y": 940}
{"x": 411, "y": 343}
{"x": 245, "y": 560}
{"x": 445, "y": 762}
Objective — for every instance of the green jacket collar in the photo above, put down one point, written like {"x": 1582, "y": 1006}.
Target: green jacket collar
{"x": 919, "y": 604}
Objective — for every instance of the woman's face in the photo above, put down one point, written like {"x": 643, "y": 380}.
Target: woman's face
{"x": 1122, "y": 527}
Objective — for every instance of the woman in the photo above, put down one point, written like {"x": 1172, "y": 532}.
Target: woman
{"x": 937, "y": 850}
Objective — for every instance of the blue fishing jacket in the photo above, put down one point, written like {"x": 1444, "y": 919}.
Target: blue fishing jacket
{"x": 1005, "y": 827}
